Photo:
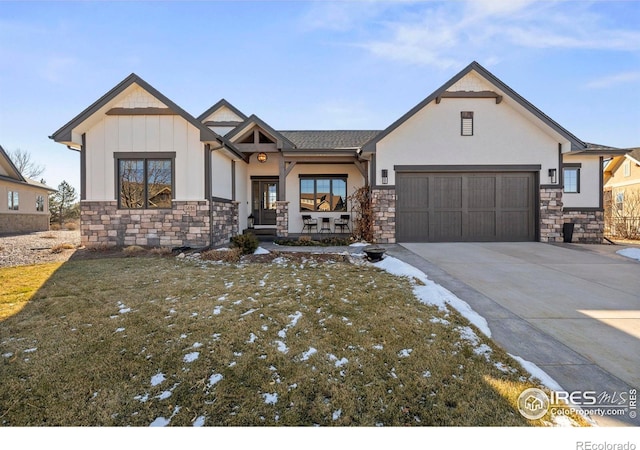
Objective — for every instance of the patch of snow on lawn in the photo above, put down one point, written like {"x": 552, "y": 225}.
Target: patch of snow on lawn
{"x": 261, "y": 251}
{"x": 309, "y": 353}
{"x": 217, "y": 310}
{"x": 119, "y": 330}
{"x": 432, "y": 293}
{"x": 215, "y": 378}
{"x": 30, "y": 350}
{"x": 338, "y": 362}
{"x": 378, "y": 347}
{"x": 633, "y": 253}
{"x": 336, "y": 414}
{"x": 7, "y": 355}
{"x": 252, "y": 338}
{"x": 123, "y": 308}
{"x": 359, "y": 244}
{"x": 196, "y": 345}
{"x": 157, "y": 379}
{"x": 282, "y": 347}
{"x": 426, "y": 374}
{"x": 191, "y": 357}
{"x": 252, "y": 310}
{"x": 270, "y": 399}
{"x": 199, "y": 422}
{"x": 538, "y": 373}
{"x": 404, "y": 353}
{"x": 483, "y": 349}
{"x": 163, "y": 422}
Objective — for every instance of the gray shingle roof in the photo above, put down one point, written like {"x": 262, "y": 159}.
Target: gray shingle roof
{"x": 329, "y": 139}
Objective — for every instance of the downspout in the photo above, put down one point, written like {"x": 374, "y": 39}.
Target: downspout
{"x": 207, "y": 188}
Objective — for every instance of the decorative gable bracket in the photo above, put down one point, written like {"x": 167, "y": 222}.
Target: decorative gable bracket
{"x": 469, "y": 94}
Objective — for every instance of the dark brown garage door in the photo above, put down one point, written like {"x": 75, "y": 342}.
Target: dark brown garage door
{"x": 465, "y": 207}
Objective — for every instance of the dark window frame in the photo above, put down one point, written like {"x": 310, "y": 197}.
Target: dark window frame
{"x": 39, "y": 203}
{"x": 145, "y": 157}
{"x": 466, "y": 116}
{"x": 571, "y": 167}
{"x": 13, "y": 200}
{"x": 331, "y": 178}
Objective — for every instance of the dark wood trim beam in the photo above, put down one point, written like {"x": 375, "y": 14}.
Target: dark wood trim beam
{"x": 469, "y": 94}
{"x": 141, "y": 112}
{"x": 83, "y": 168}
{"x": 207, "y": 171}
{"x": 470, "y": 168}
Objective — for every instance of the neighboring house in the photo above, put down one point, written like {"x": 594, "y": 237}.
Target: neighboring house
{"x": 24, "y": 203}
{"x": 474, "y": 161}
{"x": 622, "y": 195}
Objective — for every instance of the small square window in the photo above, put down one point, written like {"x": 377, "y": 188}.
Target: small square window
{"x": 466, "y": 125}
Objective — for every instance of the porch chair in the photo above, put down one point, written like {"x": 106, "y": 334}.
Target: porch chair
{"x": 308, "y": 223}
{"x": 326, "y": 225}
{"x": 342, "y": 223}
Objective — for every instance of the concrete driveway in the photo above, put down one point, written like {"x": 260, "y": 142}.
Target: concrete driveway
{"x": 574, "y": 310}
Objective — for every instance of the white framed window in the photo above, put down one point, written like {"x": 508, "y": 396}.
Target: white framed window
{"x": 626, "y": 168}
{"x": 620, "y": 202}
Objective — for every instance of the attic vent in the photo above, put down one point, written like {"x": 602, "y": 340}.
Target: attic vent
{"x": 466, "y": 127}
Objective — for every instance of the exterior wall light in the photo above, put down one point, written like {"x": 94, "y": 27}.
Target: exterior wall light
{"x": 250, "y": 221}
{"x": 385, "y": 176}
{"x": 552, "y": 176}
{"x": 262, "y": 157}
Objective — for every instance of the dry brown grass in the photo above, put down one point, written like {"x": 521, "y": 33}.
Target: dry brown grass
{"x": 62, "y": 247}
{"x": 330, "y": 342}
{"x": 227, "y": 255}
{"x": 134, "y": 250}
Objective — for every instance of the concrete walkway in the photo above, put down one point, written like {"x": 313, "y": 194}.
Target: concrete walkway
{"x": 573, "y": 310}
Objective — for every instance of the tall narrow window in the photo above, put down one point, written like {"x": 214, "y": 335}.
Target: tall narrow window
{"x": 620, "y": 202}
{"x": 571, "y": 179}
{"x": 466, "y": 126}
{"x": 13, "y": 201}
{"x": 145, "y": 183}
{"x": 627, "y": 168}
{"x": 40, "y": 203}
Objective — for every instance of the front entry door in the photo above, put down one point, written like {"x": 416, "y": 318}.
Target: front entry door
{"x": 265, "y": 195}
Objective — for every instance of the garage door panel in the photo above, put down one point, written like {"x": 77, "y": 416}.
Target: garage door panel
{"x": 447, "y": 225}
{"x": 447, "y": 192}
{"x": 482, "y": 192}
{"x": 414, "y": 226}
{"x": 482, "y": 224}
{"x": 458, "y": 207}
{"x": 413, "y": 195}
{"x": 511, "y": 226}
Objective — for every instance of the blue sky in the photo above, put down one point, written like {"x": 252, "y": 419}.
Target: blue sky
{"x": 314, "y": 65}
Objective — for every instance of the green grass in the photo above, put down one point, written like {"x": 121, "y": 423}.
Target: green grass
{"x": 84, "y": 350}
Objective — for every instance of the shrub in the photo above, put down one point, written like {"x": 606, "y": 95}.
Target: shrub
{"x": 99, "y": 247}
{"x": 133, "y": 250}
{"x": 226, "y": 255}
{"x": 55, "y": 227}
{"x": 160, "y": 251}
{"x": 60, "y": 247}
{"x": 247, "y": 243}
{"x": 71, "y": 226}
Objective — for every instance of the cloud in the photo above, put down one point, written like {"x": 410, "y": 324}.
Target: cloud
{"x": 613, "y": 80}
{"x": 449, "y": 34}
{"x": 56, "y": 69}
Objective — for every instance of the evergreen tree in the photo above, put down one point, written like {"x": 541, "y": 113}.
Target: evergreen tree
{"x": 61, "y": 203}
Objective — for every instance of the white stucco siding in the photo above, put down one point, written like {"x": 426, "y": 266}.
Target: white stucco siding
{"x": 121, "y": 134}
{"x": 221, "y": 176}
{"x": 354, "y": 181}
{"x": 501, "y": 135}
{"x": 242, "y": 194}
{"x": 590, "y": 191}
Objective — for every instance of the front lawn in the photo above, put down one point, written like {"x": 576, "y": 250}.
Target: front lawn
{"x": 298, "y": 340}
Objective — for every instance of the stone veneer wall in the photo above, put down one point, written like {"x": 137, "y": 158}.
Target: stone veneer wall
{"x": 186, "y": 225}
{"x": 551, "y": 215}
{"x": 224, "y": 221}
{"x": 588, "y": 226}
{"x": 282, "y": 218}
{"x": 23, "y": 223}
{"x": 383, "y": 205}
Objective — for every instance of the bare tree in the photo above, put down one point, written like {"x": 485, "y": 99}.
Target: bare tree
{"x": 25, "y": 165}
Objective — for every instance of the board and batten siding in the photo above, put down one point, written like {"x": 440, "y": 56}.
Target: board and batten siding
{"x": 144, "y": 133}
{"x": 501, "y": 136}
